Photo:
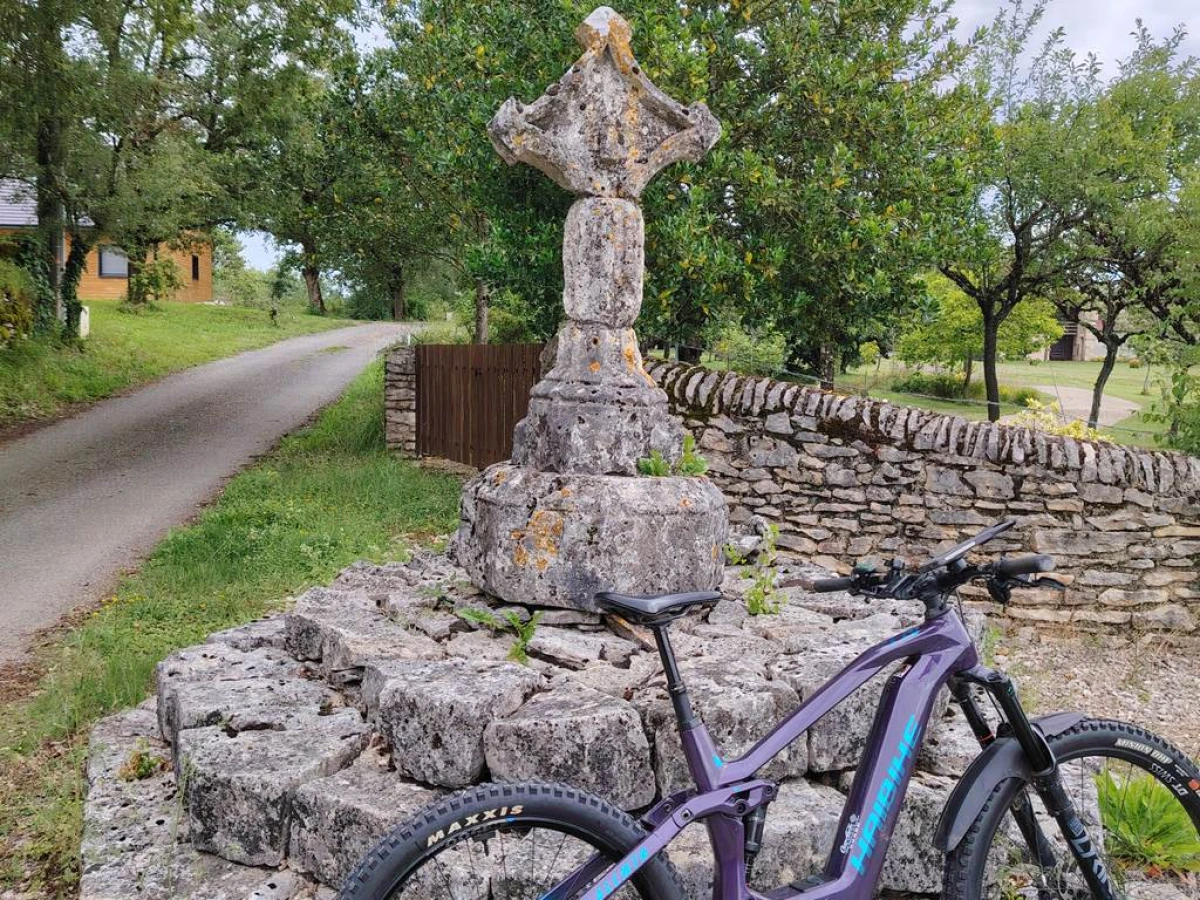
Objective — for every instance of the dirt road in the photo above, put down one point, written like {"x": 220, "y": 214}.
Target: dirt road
{"x": 85, "y": 498}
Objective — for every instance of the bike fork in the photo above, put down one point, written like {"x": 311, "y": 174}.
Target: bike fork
{"x": 1048, "y": 784}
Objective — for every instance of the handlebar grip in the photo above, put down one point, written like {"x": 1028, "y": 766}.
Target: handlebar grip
{"x": 1024, "y": 565}
{"x": 825, "y": 585}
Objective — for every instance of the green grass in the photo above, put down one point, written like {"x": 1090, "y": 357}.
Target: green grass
{"x": 1145, "y": 825}
{"x": 1125, "y": 383}
{"x": 39, "y": 378}
{"x": 327, "y": 496}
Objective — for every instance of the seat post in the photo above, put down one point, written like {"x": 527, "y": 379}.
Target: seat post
{"x": 675, "y": 686}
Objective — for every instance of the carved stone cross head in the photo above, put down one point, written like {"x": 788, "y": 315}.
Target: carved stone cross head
{"x": 604, "y": 129}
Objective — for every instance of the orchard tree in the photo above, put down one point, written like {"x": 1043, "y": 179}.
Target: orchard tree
{"x": 1146, "y": 138}
{"x": 1014, "y": 243}
{"x": 949, "y": 330}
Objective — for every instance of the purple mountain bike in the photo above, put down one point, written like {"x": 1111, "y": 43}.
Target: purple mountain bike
{"x": 1060, "y": 806}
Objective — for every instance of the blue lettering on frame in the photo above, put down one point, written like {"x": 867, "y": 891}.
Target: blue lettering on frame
{"x": 885, "y": 798}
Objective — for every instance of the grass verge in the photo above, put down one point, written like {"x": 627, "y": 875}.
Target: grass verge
{"x": 327, "y": 496}
{"x": 39, "y": 378}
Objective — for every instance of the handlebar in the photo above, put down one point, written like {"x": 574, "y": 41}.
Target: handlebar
{"x": 937, "y": 578}
{"x": 1023, "y": 565}
{"x": 825, "y": 585}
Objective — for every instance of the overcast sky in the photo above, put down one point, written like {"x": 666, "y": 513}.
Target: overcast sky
{"x": 1100, "y": 26}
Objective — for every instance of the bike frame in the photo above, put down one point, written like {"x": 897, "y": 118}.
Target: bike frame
{"x": 726, "y": 791}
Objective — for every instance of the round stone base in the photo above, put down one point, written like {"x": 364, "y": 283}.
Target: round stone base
{"x": 556, "y": 540}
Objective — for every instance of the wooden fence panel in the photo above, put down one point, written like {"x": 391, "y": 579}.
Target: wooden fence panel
{"x": 470, "y": 397}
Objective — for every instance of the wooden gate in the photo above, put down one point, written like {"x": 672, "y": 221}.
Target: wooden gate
{"x": 470, "y": 396}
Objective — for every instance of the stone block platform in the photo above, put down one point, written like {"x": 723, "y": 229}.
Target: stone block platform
{"x": 277, "y": 753}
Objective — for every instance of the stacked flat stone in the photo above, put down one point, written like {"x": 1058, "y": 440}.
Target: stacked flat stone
{"x": 569, "y": 515}
{"x": 289, "y": 746}
{"x": 848, "y": 477}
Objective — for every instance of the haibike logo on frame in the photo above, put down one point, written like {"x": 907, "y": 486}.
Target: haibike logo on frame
{"x": 886, "y": 797}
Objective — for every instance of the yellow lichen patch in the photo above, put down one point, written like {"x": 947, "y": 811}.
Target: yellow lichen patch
{"x": 542, "y": 564}
{"x": 566, "y": 492}
{"x": 631, "y": 357}
{"x": 594, "y": 366}
{"x": 545, "y": 527}
{"x": 499, "y": 477}
{"x": 715, "y": 551}
{"x": 520, "y": 555}
{"x": 685, "y": 503}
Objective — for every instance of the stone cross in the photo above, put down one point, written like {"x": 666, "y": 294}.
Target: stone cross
{"x": 604, "y": 130}
{"x": 569, "y": 516}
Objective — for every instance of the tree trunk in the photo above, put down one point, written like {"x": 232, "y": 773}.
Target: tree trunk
{"x": 1110, "y": 361}
{"x": 399, "y": 297}
{"x": 827, "y": 360}
{"x": 991, "y": 381}
{"x": 312, "y": 277}
{"x": 72, "y": 273}
{"x": 481, "y": 311}
{"x": 135, "y": 287}
{"x": 968, "y": 365}
{"x": 50, "y": 62}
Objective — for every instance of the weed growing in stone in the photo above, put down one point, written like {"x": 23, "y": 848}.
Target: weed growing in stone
{"x": 691, "y": 463}
{"x": 1145, "y": 826}
{"x": 762, "y": 598}
{"x": 142, "y": 764}
{"x": 654, "y": 466}
{"x": 523, "y": 630}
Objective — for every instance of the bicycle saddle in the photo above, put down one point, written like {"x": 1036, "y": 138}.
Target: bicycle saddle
{"x": 652, "y": 609}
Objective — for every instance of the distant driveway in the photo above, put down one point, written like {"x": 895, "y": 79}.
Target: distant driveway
{"x": 85, "y": 498}
{"x": 1076, "y": 403}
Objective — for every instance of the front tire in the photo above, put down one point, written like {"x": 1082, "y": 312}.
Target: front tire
{"x": 505, "y": 840}
{"x": 1139, "y": 798}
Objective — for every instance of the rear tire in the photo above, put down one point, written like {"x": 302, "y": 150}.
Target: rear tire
{"x": 457, "y": 849}
{"x": 1109, "y": 769}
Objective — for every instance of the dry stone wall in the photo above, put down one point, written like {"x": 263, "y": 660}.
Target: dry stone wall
{"x": 282, "y": 750}
{"x": 848, "y": 477}
{"x": 400, "y": 400}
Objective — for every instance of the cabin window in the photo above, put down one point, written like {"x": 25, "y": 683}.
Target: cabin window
{"x": 195, "y": 267}
{"x": 113, "y": 263}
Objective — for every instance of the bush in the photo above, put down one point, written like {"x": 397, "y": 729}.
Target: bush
{"x": 760, "y": 351}
{"x": 1046, "y": 417}
{"x": 442, "y": 333}
{"x": 950, "y": 387}
{"x": 1135, "y": 363}
{"x": 157, "y": 280}
{"x": 17, "y": 302}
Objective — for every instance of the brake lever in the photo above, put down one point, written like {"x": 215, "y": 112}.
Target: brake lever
{"x": 1001, "y": 590}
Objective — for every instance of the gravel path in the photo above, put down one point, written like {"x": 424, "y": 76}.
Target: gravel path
{"x": 1076, "y": 403}
{"x": 87, "y": 497}
{"x": 1144, "y": 682}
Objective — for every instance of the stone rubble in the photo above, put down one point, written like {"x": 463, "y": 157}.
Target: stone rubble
{"x": 288, "y": 746}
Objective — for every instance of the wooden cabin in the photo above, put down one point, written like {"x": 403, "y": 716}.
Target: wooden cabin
{"x": 106, "y": 273}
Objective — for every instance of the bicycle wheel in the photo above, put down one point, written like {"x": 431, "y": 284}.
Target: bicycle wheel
{"x": 506, "y": 842}
{"x": 1139, "y": 798}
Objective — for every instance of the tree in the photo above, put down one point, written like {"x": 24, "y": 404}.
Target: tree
{"x": 949, "y": 332}
{"x": 1147, "y": 125}
{"x": 133, "y": 119}
{"x": 1013, "y": 246}
{"x": 838, "y": 164}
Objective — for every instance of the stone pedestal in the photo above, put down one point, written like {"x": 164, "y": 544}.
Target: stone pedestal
{"x": 570, "y": 515}
{"x": 555, "y": 540}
